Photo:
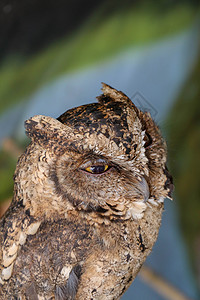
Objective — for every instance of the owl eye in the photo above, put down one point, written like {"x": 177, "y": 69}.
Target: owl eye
{"x": 97, "y": 169}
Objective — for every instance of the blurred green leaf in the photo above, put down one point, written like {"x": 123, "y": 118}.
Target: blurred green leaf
{"x": 184, "y": 146}
{"x": 100, "y": 38}
{"x": 7, "y": 168}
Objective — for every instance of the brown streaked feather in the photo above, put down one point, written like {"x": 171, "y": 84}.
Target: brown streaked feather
{"x": 31, "y": 293}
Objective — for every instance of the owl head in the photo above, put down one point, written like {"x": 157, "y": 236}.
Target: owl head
{"x": 105, "y": 160}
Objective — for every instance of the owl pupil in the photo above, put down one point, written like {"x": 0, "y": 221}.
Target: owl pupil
{"x": 97, "y": 169}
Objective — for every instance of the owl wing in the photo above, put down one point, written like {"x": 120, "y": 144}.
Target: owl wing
{"x": 15, "y": 225}
{"x": 66, "y": 291}
{"x": 50, "y": 263}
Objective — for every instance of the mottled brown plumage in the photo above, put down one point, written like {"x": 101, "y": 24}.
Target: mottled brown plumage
{"x": 87, "y": 206}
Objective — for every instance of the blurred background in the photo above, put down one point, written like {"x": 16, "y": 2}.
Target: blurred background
{"x": 54, "y": 56}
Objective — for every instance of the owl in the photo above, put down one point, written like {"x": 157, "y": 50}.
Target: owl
{"x": 87, "y": 205}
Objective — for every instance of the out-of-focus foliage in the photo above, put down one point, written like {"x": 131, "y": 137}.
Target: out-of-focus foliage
{"x": 28, "y": 26}
{"x": 184, "y": 152}
{"x": 108, "y": 30}
{"x": 7, "y": 167}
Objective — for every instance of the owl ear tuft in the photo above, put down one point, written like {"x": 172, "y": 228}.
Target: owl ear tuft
{"x": 42, "y": 128}
{"x": 32, "y": 126}
{"x": 111, "y": 94}
{"x": 37, "y": 126}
